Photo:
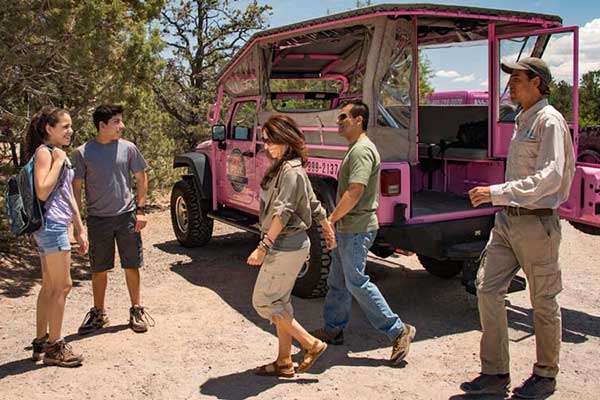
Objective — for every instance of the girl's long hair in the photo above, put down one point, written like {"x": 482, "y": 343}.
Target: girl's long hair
{"x": 36, "y": 132}
{"x": 281, "y": 129}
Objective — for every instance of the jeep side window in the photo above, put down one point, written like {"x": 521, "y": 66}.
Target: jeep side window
{"x": 243, "y": 121}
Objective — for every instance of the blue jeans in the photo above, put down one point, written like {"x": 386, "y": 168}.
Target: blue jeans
{"x": 347, "y": 279}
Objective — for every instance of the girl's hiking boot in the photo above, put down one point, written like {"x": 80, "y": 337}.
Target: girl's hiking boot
{"x": 95, "y": 319}
{"x": 139, "y": 319}
{"x": 61, "y": 354}
{"x": 38, "y": 347}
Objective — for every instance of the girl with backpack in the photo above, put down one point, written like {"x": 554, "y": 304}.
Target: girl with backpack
{"x": 288, "y": 206}
{"x": 49, "y": 130}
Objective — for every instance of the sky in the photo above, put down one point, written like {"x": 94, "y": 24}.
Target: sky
{"x": 466, "y": 68}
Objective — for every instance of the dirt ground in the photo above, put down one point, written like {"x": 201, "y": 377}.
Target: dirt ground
{"x": 207, "y": 337}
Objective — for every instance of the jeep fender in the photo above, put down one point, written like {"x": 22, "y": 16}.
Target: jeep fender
{"x": 198, "y": 166}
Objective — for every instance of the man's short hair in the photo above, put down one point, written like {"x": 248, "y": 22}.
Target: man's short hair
{"x": 543, "y": 87}
{"x": 105, "y": 112}
{"x": 359, "y": 108}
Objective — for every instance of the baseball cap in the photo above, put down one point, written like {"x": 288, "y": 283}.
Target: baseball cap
{"x": 533, "y": 64}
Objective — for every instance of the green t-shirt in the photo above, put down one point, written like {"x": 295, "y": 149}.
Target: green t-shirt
{"x": 360, "y": 165}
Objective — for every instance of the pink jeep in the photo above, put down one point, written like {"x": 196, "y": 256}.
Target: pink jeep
{"x": 432, "y": 152}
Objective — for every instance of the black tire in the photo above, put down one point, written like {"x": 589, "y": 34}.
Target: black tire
{"x": 312, "y": 279}
{"x": 191, "y": 225}
{"x": 590, "y": 230}
{"x": 443, "y": 269}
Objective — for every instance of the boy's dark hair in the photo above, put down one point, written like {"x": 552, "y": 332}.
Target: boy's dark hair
{"x": 105, "y": 112}
{"x": 544, "y": 88}
{"x": 359, "y": 108}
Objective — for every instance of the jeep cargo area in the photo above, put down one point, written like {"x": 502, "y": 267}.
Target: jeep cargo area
{"x": 434, "y": 148}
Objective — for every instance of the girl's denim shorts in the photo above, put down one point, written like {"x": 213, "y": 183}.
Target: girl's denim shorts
{"x": 52, "y": 238}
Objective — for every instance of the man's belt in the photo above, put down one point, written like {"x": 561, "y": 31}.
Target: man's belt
{"x": 518, "y": 211}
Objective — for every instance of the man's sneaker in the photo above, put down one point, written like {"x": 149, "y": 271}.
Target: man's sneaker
{"x": 536, "y": 387}
{"x": 335, "y": 337}
{"x": 401, "y": 345}
{"x": 38, "y": 347}
{"x": 93, "y": 320}
{"x": 487, "y": 384}
{"x": 139, "y": 319}
{"x": 61, "y": 354}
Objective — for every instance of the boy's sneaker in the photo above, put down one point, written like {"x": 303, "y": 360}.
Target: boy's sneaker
{"x": 401, "y": 345}
{"x": 139, "y": 319}
{"x": 93, "y": 320}
{"x": 335, "y": 337}
{"x": 38, "y": 347}
{"x": 487, "y": 384}
{"x": 61, "y": 354}
{"x": 535, "y": 387}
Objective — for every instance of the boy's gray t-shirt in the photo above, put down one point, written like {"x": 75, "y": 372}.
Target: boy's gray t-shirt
{"x": 106, "y": 170}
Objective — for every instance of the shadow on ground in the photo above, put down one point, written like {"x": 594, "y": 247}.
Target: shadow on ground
{"x": 20, "y": 269}
{"x": 437, "y": 307}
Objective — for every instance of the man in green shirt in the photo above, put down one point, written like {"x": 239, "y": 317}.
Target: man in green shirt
{"x": 356, "y": 228}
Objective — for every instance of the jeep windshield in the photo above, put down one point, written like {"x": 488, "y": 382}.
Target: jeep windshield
{"x": 304, "y": 95}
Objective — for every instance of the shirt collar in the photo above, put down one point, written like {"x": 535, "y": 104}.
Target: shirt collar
{"x": 524, "y": 116}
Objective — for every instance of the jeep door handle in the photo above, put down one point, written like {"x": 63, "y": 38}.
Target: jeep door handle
{"x": 248, "y": 154}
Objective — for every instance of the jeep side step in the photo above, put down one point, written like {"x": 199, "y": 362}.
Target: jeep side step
{"x": 239, "y": 219}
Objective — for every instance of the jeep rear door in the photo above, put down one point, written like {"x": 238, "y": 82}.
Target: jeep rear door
{"x": 559, "y": 48}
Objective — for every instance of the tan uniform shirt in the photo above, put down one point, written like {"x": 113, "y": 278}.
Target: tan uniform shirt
{"x": 290, "y": 196}
{"x": 540, "y": 163}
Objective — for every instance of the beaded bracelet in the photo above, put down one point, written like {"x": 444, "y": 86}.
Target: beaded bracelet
{"x": 267, "y": 237}
{"x": 264, "y": 246}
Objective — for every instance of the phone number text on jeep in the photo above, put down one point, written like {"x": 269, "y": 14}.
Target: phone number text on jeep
{"x": 322, "y": 168}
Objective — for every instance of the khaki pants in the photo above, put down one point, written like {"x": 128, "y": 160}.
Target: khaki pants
{"x": 275, "y": 281}
{"x": 529, "y": 242}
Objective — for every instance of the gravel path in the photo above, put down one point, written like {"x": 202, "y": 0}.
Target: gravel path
{"x": 207, "y": 337}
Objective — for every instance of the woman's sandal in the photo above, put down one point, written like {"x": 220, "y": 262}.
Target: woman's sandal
{"x": 311, "y": 355}
{"x": 274, "y": 369}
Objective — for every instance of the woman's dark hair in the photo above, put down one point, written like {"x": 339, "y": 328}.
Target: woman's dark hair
{"x": 36, "y": 132}
{"x": 281, "y": 129}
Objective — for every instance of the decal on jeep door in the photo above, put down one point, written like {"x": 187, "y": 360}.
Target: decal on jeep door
{"x": 236, "y": 170}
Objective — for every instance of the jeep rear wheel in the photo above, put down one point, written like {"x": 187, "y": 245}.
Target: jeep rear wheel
{"x": 443, "y": 269}
{"x": 312, "y": 279}
{"x": 191, "y": 225}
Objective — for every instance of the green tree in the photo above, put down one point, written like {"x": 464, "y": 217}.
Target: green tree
{"x": 589, "y": 99}
{"x": 201, "y": 37}
{"x": 77, "y": 54}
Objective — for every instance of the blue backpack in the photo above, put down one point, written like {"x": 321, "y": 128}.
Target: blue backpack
{"x": 24, "y": 210}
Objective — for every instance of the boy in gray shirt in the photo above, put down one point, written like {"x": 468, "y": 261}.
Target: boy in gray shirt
{"x": 105, "y": 165}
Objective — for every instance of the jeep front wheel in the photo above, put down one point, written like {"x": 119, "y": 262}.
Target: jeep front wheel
{"x": 441, "y": 268}
{"x": 191, "y": 225}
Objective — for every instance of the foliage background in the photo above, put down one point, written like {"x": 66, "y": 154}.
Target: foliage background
{"x": 159, "y": 58}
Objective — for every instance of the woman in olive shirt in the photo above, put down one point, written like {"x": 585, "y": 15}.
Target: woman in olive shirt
{"x": 287, "y": 207}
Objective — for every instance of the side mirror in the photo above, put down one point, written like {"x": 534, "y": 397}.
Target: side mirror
{"x": 218, "y": 133}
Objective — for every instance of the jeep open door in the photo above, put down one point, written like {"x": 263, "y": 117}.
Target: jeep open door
{"x": 582, "y": 208}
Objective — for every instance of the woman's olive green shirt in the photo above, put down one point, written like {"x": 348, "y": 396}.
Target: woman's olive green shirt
{"x": 290, "y": 197}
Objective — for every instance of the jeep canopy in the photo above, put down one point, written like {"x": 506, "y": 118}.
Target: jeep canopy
{"x": 371, "y": 51}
